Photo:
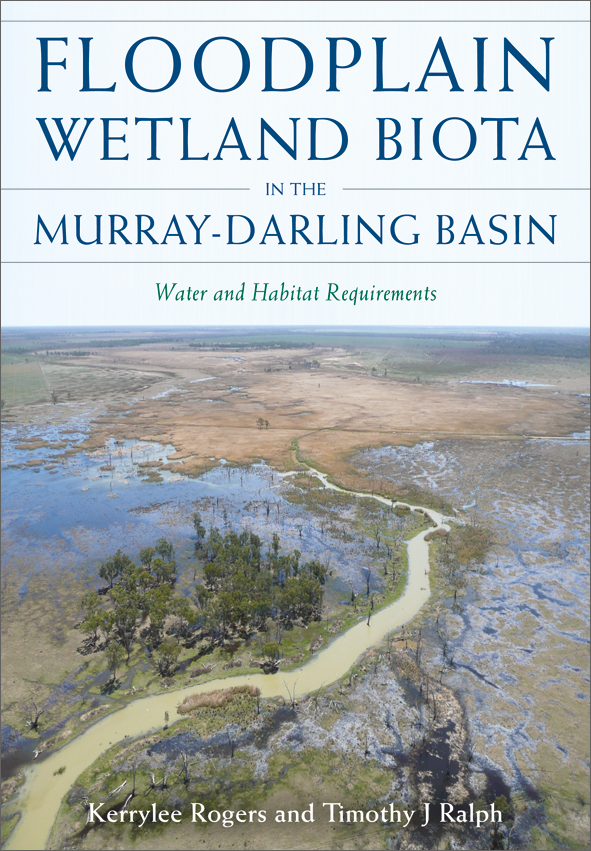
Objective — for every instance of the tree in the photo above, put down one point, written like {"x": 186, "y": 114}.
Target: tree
{"x": 125, "y": 614}
{"x": 376, "y": 529}
{"x": 164, "y": 572}
{"x": 367, "y": 576}
{"x": 270, "y": 653}
{"x": 201, "y": 596}
{"x": 275, "y": 544}
{"x": 146, "y": 556}
{"x": 114, "y": 567}
{"x": 158, "y": 604}
{"x": 96, "y": 620}
{"x": 114, "y": 657}
{"x": 168, "y": 654}
{"x": 200, "y": 530}
{"x": 260, "y": 422}
{"x": 164, "y": 549}
{"x": 184, "y": 763}
{"x": 184, "y": 615}
{"x": 33, "y": 708}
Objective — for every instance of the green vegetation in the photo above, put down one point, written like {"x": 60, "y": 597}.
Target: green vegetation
{"x": 7, "y": 825}
{"x": 23, "y": 383}
{"x": 541, "y": 345}
{"x": 463, "y": 551}
{"x": 133, "y": 594}
{"x": 244, "y": 589}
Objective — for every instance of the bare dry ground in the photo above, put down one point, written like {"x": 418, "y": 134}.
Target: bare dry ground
{"x": 207, "y": 405}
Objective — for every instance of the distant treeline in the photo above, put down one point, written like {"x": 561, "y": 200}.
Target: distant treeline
{"x": 216, "y": 347}
{"x": 122, "y": 342}
{"x": 76, "y": 353}
{"x": 556, "y": 346}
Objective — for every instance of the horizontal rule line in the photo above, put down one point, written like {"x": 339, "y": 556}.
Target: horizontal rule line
{"x": 292, "y": 21}
{"x": 466, "y": 189}
{"x": 294, "y": 262}
{"x": 126, "y": 189}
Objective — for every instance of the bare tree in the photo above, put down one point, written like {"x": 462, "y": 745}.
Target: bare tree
{"x": 389, "y": 643}
{"x": 443, "y": 636}
{"x": 376, "y": 530}
{"x": 291, "y": 694}
{"x": 419, "y": 648}
{"x": 118, "y": 789}
{"x": 161, "y": 784}
{"x": 134, "y": 768}
{"x": 184, "y": 763}
{"x": 33, "y": 708}
{"x": 232, "y": 743}
{"x": 367, "y": 576}
{"x": 315, "y": 699}
{"x": 127, "y": 800}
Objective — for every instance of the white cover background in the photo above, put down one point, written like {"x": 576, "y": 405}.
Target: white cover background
{"x": 549, "y": 289}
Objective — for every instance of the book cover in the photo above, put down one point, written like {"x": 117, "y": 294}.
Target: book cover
{"x": 295, "y": 424}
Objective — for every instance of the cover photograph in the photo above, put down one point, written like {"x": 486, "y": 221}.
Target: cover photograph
{"x": 295, "y": 425}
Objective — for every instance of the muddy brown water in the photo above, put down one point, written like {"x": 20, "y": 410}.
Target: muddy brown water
{"x": 44, "y": 790}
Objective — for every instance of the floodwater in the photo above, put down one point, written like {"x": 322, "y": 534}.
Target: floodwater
{"x": 521, "y": 653}
{"x": 42, "y": 794}
{"x": 71, "y": 510}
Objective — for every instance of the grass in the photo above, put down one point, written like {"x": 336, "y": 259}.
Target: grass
{"x": 409, "y": 493}
{"x": 23, "y": 383}
{"x": 291, "y": 781}
{"x": 7, "y": 825}
{"x": 214, "y": 699}
{"x": 6, "y": 359}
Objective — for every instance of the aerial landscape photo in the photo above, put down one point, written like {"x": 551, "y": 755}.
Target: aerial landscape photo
{"x": 295, "y": 584}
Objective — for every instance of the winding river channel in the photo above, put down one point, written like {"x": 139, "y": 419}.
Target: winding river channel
{"x": 43, "y": 791}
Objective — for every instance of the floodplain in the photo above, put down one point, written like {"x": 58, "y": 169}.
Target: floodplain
{"x": 112, "y": 439}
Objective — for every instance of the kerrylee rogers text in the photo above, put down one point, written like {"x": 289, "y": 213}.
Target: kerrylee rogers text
{"x": 332, "y": 812}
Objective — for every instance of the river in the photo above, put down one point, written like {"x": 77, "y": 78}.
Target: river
{"x": 43, "y": 790}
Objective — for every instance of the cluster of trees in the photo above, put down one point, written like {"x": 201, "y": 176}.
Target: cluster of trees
{"x": 136, "y": 594}
{"x": 243, "y": 586}
{"x": 464, "y": 552}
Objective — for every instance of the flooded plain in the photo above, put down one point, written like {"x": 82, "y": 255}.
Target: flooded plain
{"x": 521, "y": 643}
{"x": 122, "y": 471}
{"x": 485, "y": 694}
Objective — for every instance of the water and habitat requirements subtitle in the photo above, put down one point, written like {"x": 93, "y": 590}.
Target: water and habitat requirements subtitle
{"x": 285, "y": 293}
